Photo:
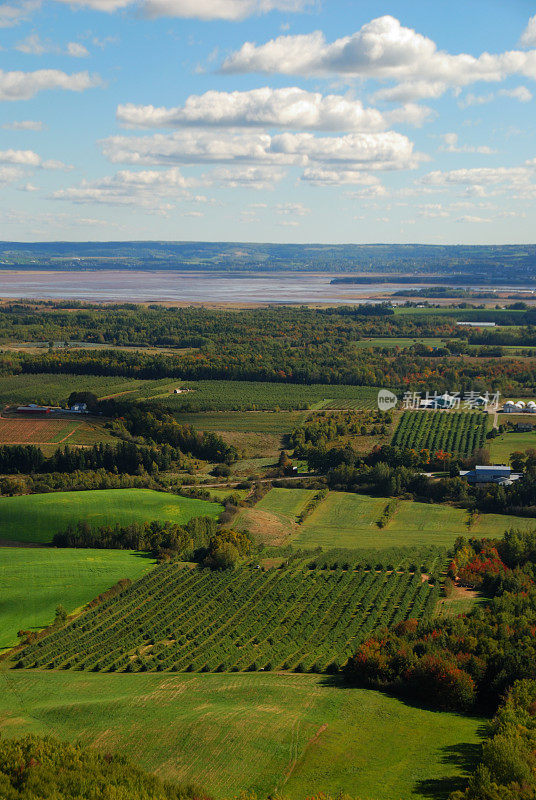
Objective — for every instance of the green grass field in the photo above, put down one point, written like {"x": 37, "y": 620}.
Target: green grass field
{"x": 277, "y": 422}
{"x": 35, "y": 580}
{"x": 501, "y": 447}
{"x": 285, "y": 503}
{"x": 261, "y": 733}
{"x": 37, "y": 517}
{"x": 349, "y": 520}
{"x": 273, "y": 520}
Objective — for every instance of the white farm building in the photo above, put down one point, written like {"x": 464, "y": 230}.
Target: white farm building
{"x": 519, "y": 407}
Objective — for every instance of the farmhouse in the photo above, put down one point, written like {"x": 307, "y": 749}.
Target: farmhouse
{"x": 79, "y": 408}
{"x": 501, "y": 474}
{"x": 478, "y": 324}
{"x": 444, "y": 401}
{"x": 32, "y": 408}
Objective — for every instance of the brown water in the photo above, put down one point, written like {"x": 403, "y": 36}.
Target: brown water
{"x": 185, "y": 287}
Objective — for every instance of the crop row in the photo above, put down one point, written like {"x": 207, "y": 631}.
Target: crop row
{"x": 293, "y": 617}
{"x": 453, "y": 432}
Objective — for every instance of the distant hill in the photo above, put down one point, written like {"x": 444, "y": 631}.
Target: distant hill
{"x": 504, "y": 263}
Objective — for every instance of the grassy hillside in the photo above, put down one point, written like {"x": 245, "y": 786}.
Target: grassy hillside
{"x": 250, "y": 732}
{"x": 502, "y": 446}
{"x": 350, "y": 521}
{"x": 286, "y": 503}
{"x": 36, "y": 517}
{"x": 292, "y": 617}
{"x": 273, "y": 520}
{"x": 35, "y": 580}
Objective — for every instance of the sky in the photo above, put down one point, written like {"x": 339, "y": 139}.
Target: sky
{"x": 268, "y": 120}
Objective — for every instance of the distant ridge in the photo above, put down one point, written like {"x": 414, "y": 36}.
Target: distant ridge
{"x": 485, "y": 263}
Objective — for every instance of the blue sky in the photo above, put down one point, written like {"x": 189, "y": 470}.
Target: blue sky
{"x": 268, "y": 120}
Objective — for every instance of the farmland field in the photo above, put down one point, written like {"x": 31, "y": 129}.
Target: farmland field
{"x": 253, "y": 433}
{"x": 257, "y": 396}
{"x": 350, "y": 521}
{"x": 296, "y": 617}
{"x": 452, "y": 432}
{"x": 37, "y": 517}
{"x": 50, "y": 434}
{"x": 35, "y": 580}
{"x": 36, "y": 431}
{"x": 251, "y": 733}
{"x": 48, "y": 388}
{"x": 274, "y": 518}
{"x": 276, "y": 422}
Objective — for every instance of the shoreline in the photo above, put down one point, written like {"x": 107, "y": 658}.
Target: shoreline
{"x": 222, "y": 289}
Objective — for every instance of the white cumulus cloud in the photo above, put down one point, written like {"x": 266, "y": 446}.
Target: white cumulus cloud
{"x": 451, "y": 145}
{"x": 35, "y": 46}
{"x": 146, "y": 189}
{"x": 266, "y": 107}
{"x": 23, "y": 125}
{"x": 292, "y": 210}
{"x": 343, "y": 157}
{"x": 249, "y": 177}
{"x": 9, "y": 174}
{"x": 77, "y": 50}
{"x": 13, "y": 13}
{"x": 28, "y": 158}
{"x": 528, "y": 37}
{"x": 18, "y": 85}
{"x": 518, "y": 182}
{"x": 231, "y": 10}
{"x": 520, "y": 93}
{"x": 382, "y": 49}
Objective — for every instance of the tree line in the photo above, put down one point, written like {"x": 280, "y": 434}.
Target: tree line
{"x": 391, "y": 471}
{"x": 41, "y": 768}
{"x": 470, "y": 660}
{"x": 275, "y": 344}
